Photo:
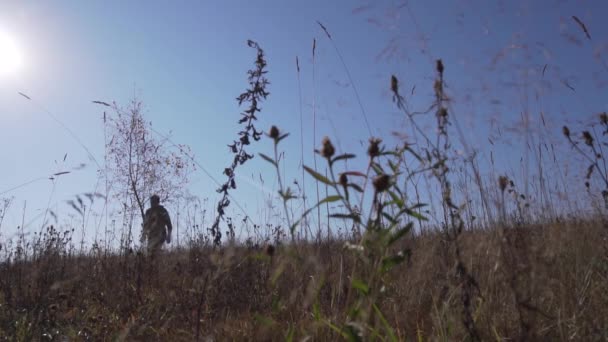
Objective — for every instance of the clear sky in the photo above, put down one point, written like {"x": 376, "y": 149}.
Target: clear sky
{"x": 187, "y": 61}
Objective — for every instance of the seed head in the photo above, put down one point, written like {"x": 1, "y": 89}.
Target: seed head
{"x": 343, "y": 180}
{"x": 394, "y": 84}
{"x": 604, "y": 118}
{"x": 374, "y": 147}
{"x": 328, "y": 149}
{"x": 274, "y": 132}
{"x": 440, "y": 66}
{"x": 566, "y": 131}
{"x": 588, "y": 138}
{"x": 381, "y": 183}
{"x": 503, "y": 181}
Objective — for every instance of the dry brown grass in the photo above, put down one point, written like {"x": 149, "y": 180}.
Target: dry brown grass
{"x": 546, "y": 281}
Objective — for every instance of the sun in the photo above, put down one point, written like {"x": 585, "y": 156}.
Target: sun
{"x": 11, "y": 59}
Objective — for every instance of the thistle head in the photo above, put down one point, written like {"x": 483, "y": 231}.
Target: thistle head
{"x": 440, "y": 67}
{"x": 588, "y": 138}
{"x": 381, "y": 183}
{"x": 503, "y": 181}
{"x": 374, "y": 147}
{"x": 327, "y": 149}
{"x": 274, "y": 132}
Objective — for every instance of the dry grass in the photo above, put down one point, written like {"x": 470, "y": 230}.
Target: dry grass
{"x": 539, "y": 282}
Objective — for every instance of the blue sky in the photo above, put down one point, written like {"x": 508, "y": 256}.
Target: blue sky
{"x": 187, "y": 61}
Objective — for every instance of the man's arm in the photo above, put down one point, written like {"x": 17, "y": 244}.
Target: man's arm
{"x": 167, "y": 220}
{"x": 144, "y": 226}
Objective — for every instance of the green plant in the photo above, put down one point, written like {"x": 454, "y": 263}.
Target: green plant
{"x": 388, "y": 220}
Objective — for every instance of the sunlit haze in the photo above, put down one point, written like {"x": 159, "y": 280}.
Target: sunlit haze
{"x": 11, "y": 58}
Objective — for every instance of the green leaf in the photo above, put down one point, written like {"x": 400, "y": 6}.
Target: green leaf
{"x": 398, "y": 201}
{"x": 330, "y": 199}
{"x": 389, "y": 262}
{"x": 318, "y": 176}
{"x": 360, "y": 286}
{"x": 290, "y": 333}
{"x": 354, "y": 173}
{"x": 316, "y": 312}
{"x": 343, "y": 157}
{"x": 389, "y": 153}
{"x": 268, "y": 159}
{"x": 346, "y": 216}
{"x": 389, "y": 217}
{"x": 393, "y": 166}
{"x": 418, "y": 205}
{"x": 416, "y": 155}
{"x": 400, "y": 233}
{"x": 356, "y": 187}
{"x": 282, "y": 137}
{"x": 293, "y": 226}
{"x": 387, "y": 326}
{"x": 378, "y": 169}
{"x": 267, "y": 321}
{"x": 336, "y": 329}
{"x": 415, "y": 214}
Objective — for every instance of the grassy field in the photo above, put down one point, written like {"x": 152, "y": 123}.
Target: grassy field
{"x": 541, "y": 282}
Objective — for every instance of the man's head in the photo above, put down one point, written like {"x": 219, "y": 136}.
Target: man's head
{"x": 154, "y": 200}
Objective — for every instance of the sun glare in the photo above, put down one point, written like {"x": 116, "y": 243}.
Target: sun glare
{"x": 10, "y": 56}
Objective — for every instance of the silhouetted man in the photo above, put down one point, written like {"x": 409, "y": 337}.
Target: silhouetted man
{"x": 157, "y": 225}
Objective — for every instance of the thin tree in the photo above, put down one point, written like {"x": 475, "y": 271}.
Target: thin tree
{"x": 141, "y": 164}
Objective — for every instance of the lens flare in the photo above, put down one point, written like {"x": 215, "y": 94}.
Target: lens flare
{"x": 11, "y": 59}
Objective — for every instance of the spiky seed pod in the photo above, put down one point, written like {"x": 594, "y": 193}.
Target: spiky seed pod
{"x": 328, "y": 149}
{"x": 503, "y": 181}
{"x": 394, "y": 84}
{"x": 566, "y": 131}
{"x": 374, "y": 147}
{"x": 381, "y": 183}
{"x": 440, "y": 67}
{"x": 274, "y": 132}
{"x": 588, "y": 138}
{"x": 343, "y": 180}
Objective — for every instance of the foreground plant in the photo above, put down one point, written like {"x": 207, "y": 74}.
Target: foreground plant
{"x": 593, "y": 153}
{"x": 377, "y": 252}
{"x": 254, "y": 95}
